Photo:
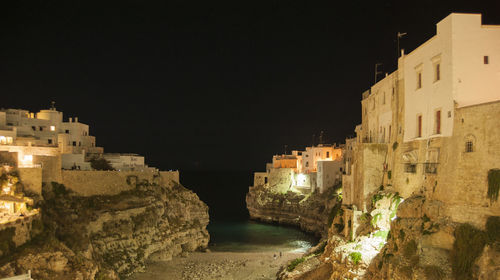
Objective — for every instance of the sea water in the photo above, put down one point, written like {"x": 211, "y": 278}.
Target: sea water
{"x": 250, "y": 236}
{"x": 230, "y": 228}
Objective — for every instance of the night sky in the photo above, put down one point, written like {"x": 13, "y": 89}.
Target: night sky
{"x": 208, "y": 85}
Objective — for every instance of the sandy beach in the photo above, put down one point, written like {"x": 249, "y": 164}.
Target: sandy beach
{"x": 217, "y": 265}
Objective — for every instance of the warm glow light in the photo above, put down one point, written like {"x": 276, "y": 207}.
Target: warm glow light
{"x": 26, "y": 161}
{"x": 52, "y": 128}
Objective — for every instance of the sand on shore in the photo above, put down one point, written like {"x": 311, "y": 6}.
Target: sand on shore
{"x": 218, "y": 265}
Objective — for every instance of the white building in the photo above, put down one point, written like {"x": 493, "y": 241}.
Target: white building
{"x": 458, "y": 67}
{"x": 125, "y": 162}
{"x": 312, "y": 155}
{"x": 47, "y": 129}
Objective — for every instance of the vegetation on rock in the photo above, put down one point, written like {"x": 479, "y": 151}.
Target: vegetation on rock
{"x": 468, "y": 246}
{"x": 493, "y": 184}
{"x": 100, "y": 164}
{"x": 355, "y": 257}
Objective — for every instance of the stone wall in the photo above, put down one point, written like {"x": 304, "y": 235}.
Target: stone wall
{"x": 463, "y": 176}
{"x": 51, "y": 167}
{"x": 31, "y": 178}
{"x": 88, "y": 183}
{"x": 368, "y": 172}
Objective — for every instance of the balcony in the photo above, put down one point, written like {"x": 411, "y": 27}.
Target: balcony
{"x": 430, "y": 168}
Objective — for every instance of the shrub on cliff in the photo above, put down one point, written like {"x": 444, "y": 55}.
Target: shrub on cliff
{"x": 468, "y": 246}
{"x": 100, "y": 164}
{"x": 294, "y": 263}
{"x": 355, "y": 257}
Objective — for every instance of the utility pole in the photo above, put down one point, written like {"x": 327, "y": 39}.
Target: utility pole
{"x": 376, "y": 71}
{"x": 400, "y": 35}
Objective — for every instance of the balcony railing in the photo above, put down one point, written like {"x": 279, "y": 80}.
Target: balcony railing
{"x": 431, "y": 168}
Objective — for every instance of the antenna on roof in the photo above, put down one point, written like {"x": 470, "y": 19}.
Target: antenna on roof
{"x": 400, "y": 35}
{"x": 312, "y": 144}
{"x": 321, "y": 137}
{"x": 53, "y": 105}
{"x": 286, "y": 146}
{"x": 376, "y": 71}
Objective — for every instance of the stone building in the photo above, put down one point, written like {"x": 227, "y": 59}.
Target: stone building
{"x": 431, "y": 127}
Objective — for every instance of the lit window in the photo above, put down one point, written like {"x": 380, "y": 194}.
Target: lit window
{"x": 52, "y": 128}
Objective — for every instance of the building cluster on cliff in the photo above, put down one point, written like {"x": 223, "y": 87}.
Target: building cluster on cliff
{"x": 430, "y": 128}
{"x": 39, "y": 150}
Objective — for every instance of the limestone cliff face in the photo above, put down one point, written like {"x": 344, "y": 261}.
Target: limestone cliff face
{"x": 310, "y": 212}
{"x": 112, "y": 236}
{"x": 420, "y": 243}
{"x": 424, "y": 244}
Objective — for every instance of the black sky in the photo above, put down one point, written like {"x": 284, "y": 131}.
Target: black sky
{"x": 208, "y": 84}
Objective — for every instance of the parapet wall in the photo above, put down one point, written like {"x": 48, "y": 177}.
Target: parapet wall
{"x": 88, "y": 183}
{"x": 31, "y": 179}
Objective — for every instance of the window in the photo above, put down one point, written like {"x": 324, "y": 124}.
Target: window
{"x": 52, "y": 128}
{"x": 438, "y": 122}
{"x": 437, "y": 69}
{"x": 327, "y": 154}
{"x": 307, "y": 164}
{"x": 486, "y": 59}
{"x": 41, "y": 128}
{"x": 67, "y": 131}
{"x": 74, "y": 143}
{"x": 410, "y": 168}
{"x": 50, "y": 141}
{"x": 34, "y": 128}
{"x": 419, "y": 126}
{"x": 469, "y": 146}
{"x": 431, "y": 168}
{"x": 419, "y": 80}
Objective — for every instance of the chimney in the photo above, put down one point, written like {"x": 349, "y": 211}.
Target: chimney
{"x": 76, "y": 119}
{"x": 70, "y": 119}
{"x": 402, "y": 52}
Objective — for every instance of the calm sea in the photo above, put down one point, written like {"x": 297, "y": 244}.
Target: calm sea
{"x": 230, "y": 228}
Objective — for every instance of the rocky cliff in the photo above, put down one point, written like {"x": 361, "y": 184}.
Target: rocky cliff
{"x": 411, "y": 240}
{"x": 311, "y": 212}
{"x": 110, "y": 237}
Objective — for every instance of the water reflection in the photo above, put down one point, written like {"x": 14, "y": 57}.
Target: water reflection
{"x": 251, "y": 236}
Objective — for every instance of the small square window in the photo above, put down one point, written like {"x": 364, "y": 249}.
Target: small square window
{"x": 50, "y": 141}
{"x": 41, "y": 128}
{"x": 67, "y": 131}
{"x": 486, "y": 59}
